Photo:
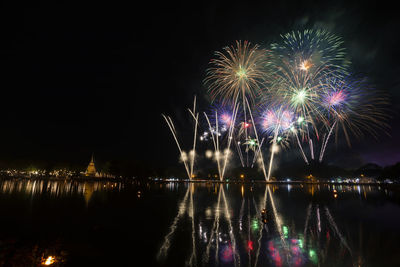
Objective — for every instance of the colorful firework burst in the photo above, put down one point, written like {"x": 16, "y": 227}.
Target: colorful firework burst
{"x": 251, "y": 143}
{"x": 298, "y": 64}
{"x": 239, "y": 70}
{"x": 313, "y": 51}
{"x": 354, "y": 106}
{"x": 277, "y": 120}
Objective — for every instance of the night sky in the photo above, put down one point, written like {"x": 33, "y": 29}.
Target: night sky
{"x": 78, "y": 78}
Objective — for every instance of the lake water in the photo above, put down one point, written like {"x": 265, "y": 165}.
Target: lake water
{"x": 197, "y": 224}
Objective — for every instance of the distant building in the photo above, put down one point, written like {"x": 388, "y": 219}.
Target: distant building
{"x": 91, "y": 169}
{"x": 92, "y": 172}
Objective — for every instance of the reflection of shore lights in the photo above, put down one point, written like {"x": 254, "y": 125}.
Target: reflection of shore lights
{"x": 227, "y": 254}
{"x": 300, "y": 243}
{"x": 274, "y": 253}
{"x": 49, "y": 261}
{"x": 335, "y": 193}
{"x": 254, "y": 224}
{"x": 264, "y": 211}
{"x": 313, "y": 256}
{"x": 250, "y": 245}
{"x": 285, "y": 230}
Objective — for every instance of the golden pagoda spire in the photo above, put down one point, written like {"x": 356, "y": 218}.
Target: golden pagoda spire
{"x": 91, "y": 169}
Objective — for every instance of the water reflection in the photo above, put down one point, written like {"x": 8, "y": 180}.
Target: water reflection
{"x": 212, "y": 225}
{"x": 46, "y": 219}
{"x": 57, "y": 188}
{"x": 258, "y": 226}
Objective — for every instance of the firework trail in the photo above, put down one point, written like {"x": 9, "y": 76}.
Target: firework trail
{"x": 274, "y": 147}
{"x": 188, "y": 168}
{"x": 241, "y": 214}
{"x": 167, "y": 239}
{"x": 278, "y": 221}
{"x": 217, "y": 228}
{"x": 214, "y": 232}
{"x": 216, "y": 144}
{"x": 236, "y": 256}
{"x": 336, "y": 229}
{"x": 173, "y": 131}
{"x": 321, "y": 156}
{"x": 215, "y": 139}
{"x": 196, "y": 119}
{"x": 319, "y": 220}
{"x": 231, "y": 129}
{"x": 276, "y": 121}
{"x": 248, "y": 229}
{"x": 258, "y": 151}
{"x": 301, "y": 148}
{"x": 262, "y": 206}
{"x": 307, "y": 220}
{"x": 258, "y": 141}
{"x": 193, "y": 258}
{"x": 239, "y": 153}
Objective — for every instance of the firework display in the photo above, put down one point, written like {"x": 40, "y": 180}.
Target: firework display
{"x": 239, "y": 72}
{"x": 298, "y": 90}
{"x": 237, "y": 77}
{"x": 352, "y": 107}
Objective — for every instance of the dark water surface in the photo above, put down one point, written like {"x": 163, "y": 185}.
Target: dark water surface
{"x": 178, "y": 224}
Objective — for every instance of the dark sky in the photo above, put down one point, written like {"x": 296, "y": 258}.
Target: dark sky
{"x": 78, "y": 77}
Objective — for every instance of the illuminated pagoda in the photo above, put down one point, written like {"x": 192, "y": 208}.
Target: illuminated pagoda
{"x": 91, "y": 169}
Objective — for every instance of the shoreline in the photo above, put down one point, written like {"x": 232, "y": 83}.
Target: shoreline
{"x": 107, "y": 179}
{"x": 53, "y": 178}
{"x": 278, "y": 182}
